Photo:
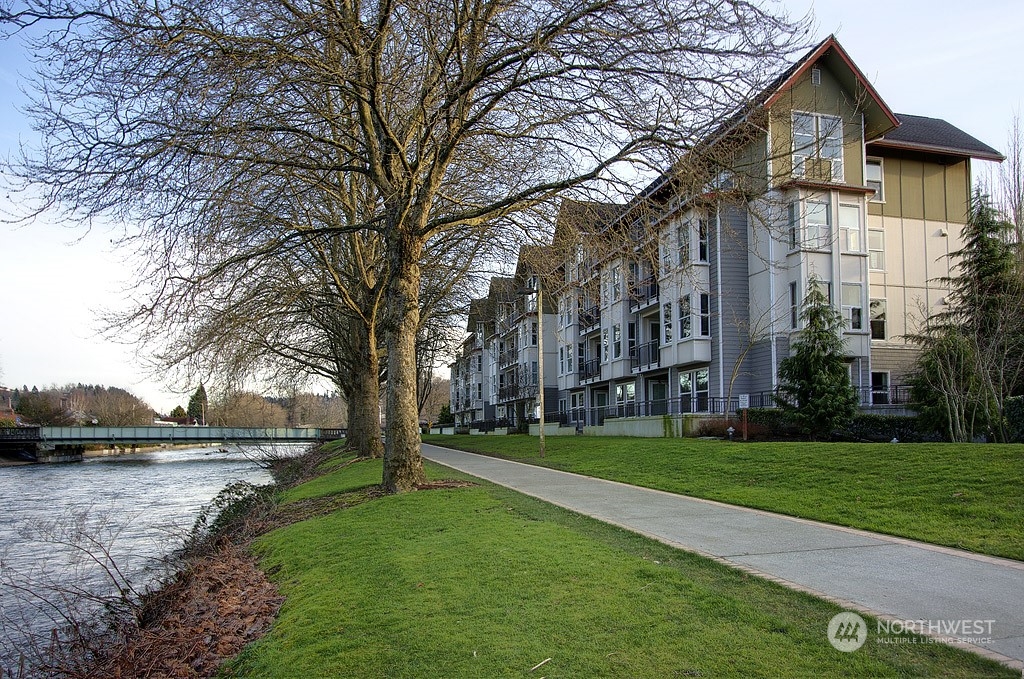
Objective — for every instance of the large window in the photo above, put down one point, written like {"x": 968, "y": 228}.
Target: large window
{"x": 616, "y": 283}
{"x": 625, "y": 393}
{"x": 876, "y": 249}
{"x": 568, "y": 359}
{"x": 873, "y": 179}
{"x": 604, "y": 345}
{"x": 666, "y": 320}
{"x": 684, "y": 317}
{"x": 853, "y": 308}
{"x": 683, "y": 236}
{"x": 694, "y": 390}
{"x": 818, "y": 234}
{"x": 817, "y": 147}
{"x": 877, "y": 308}
{"x": 617, "y": 340}
{"x": 849, "y": 228}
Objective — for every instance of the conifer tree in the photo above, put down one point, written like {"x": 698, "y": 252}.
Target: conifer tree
{"x": 816, "y": 388}
{"x": 198, "y": 405}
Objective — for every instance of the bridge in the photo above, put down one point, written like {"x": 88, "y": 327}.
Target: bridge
{"x": 43, "y": 439}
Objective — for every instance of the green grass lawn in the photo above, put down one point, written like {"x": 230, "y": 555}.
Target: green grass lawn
{"x": 480, "y": 581}
{"x": 965, "y": 496}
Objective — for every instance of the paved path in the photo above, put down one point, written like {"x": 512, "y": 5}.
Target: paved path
{"x": 889, "y": 577}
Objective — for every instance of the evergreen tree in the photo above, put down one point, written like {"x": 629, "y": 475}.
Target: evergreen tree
{"x": 198, "y": 405}
{"x": 178, "y": 412}
{"x": 816, "y": 389}
{"x": 972, "y": 356}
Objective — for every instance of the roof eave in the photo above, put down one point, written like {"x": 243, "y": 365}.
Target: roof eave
{"x": 934, "y": 148}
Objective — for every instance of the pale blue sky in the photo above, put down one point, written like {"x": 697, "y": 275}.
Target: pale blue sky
{"x": 953, "y": 60}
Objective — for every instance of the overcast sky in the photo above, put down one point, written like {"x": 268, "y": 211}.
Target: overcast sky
{"x": 960, "y": 61}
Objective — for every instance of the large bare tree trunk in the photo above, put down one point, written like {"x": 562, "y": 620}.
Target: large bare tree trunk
{"x": 364, "y": 393}
{"x": 403, "y": 466}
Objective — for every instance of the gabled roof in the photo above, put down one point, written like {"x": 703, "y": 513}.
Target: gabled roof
{"x": 879, "y": 118}
{"x": 934, "y": 135}
{"x": 577, "y": 217}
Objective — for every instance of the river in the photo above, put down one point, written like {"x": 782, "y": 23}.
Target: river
{"x": 138, "y": 506}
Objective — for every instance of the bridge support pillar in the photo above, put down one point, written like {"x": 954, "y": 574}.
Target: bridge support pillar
{"x": 60, "y": 453}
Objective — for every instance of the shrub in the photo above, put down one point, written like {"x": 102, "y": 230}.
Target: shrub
{"x": 872, "y": 427}
{"x": 774, "y": 422}
{"x": 1013, "y": 412}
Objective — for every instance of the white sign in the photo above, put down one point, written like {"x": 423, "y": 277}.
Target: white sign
{"x": 744, "y": 401}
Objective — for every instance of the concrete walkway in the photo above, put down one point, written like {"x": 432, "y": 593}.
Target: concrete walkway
{"x": 892, "y": 578}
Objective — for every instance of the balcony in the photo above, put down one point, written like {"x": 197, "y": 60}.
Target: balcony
{"x": 508, "y": 357}
{"x": 590, "y": 370}
{"x": 645, "y": 356}
{"x": 590, "y": 318}
{"x": 643, "y": 294}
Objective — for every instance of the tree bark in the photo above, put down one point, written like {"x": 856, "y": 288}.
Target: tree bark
{"x": 364, "y": 393}
{"x": 403, "y": 466}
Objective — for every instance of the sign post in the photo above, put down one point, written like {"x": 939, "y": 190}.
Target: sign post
{"x": 744, "y": 407}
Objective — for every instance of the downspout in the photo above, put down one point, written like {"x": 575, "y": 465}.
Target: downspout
{"x": 721, "y": 335}
{"x": 771, "y": 263}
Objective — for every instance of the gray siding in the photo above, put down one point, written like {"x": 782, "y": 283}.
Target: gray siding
{"x": 731, "y": 310}
{"x": 897, "y": 360}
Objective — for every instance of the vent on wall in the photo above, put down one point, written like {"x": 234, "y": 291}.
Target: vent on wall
{"x": 815, "y": 76}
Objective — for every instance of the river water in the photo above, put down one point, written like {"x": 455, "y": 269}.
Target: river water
{"x": 139, "y": 507}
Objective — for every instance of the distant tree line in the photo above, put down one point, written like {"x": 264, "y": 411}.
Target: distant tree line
{"x": 80, "y": 404}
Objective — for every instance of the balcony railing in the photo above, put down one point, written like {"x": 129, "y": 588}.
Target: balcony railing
{"x": 590, "y": 317}
{"x": 643, "y": 294}
{"x": 589, "y": 369}
{"x": 508, "y": 357}
{"x": 645, "y": 356}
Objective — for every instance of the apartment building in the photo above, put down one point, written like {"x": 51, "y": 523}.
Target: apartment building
{"x": 686, "y": 299}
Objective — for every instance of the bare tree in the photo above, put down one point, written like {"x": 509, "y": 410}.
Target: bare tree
{"x": 171, "y": 115}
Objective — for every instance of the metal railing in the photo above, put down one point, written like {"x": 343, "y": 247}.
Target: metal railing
{"x": 590, "y": 317}
{"x": 646, "y": 355}
{"x": 590, "y": 369}
{"x": 643, "y": 293}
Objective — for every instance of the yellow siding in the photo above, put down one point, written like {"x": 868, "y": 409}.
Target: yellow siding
{"x": 912, "y": 189}
{"x": 934, "y": 192}
{"x": 828, "y": 98}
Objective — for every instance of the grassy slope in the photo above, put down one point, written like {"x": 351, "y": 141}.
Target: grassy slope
{"x": 966, "y": 496}
{"x": 483, "y": 582}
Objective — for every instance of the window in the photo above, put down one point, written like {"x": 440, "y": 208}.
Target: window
{"x": 702, "y": 239}
{"x": 880, "y": 388}
{"x": 666, "y": 320}
{"x": 819, "y": 226}
{"x": 794, "y": 307}
{"x": 617, "y": 340}
{"x": 631, "y": 337}
{"x": 876, "y": 249}
{"x": 694, "y": 391}
{"x": 616, "y": 283}
{"x": 683, "y": 236}
{"x": 479, "y": 391}
{"x": 625, "y": 393}
{"x": 561, "y": 360}
{"x": 849, "y": 228}
{"x": 873, "y": 179}
{"x": 794, "y": 225}
{"x": 533, "y": 334}
{"x": 684, "y": 317}
{"x": 853, "y": 310}
{"x": 817, "y": 147}
{"x": 604, "y": 345}
{"x": 533, "y": 372}
{"x": 877, "y": 309}
{"x": 568, "y": 359}
{"x": 705, "y": 314}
